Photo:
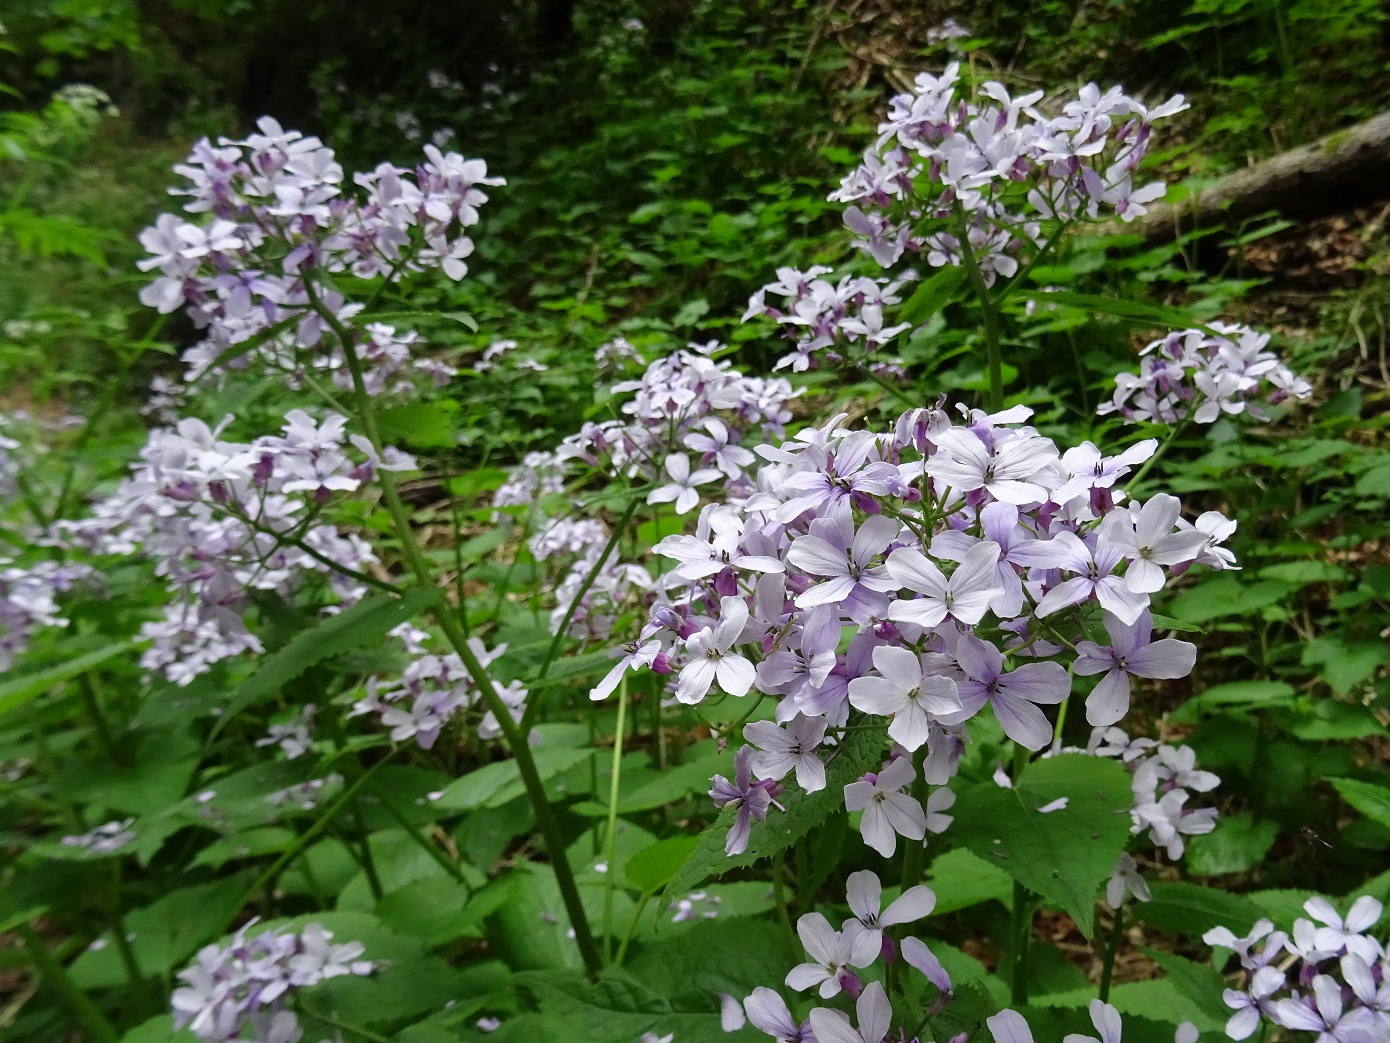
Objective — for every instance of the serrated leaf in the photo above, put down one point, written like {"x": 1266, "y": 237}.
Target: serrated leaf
{"x": 1064, "y": 855}
{"x": 350, "y": 629}
{"x": 961, "y": 879}
{"x": 804, "y": 811}
{"x": 1234, "y": 696}
{"x": 1201, "y": 985}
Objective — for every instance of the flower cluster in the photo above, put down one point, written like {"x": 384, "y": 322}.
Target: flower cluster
{"x": 956, "y": 565}
{"x": 28, "y": 599}
{"x": 432, "y": 689}
{"x": 294, "y": 738}
{"x": 684, "y": 428}
{"x": 996, "y": 168}
{"x": 275, "y": 215}
{"x": 222, "y": 519}
{"x": 1330, "y": 977}
{"x": 238, "y": 991}
{"x": 1200, "y": 375}
{"x": 830, "y": 319}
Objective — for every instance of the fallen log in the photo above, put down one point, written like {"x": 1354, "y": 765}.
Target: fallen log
{"x": 1331, "y": 176}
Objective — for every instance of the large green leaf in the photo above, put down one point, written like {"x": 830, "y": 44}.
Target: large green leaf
{"x": 1234, "y": 696}
{"x": 1237, "y": 844}
{"x": 350, "y": 629}
{"x": 1064, "y": 854}
{"x": 961, "y": 879}
{"x": 804, "y": 812}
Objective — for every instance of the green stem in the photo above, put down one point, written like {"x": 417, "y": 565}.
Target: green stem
{"x": 589, "y": 580}
{"x": 119, "y": 935}
{"x": 990, "y": 310}
{"x": 364, "y": 843}
{"x": 1112, "y": 948}
{"x": 631, "y": 929}
{"x": 93, "y": 707}
{"x": 512, "y": 734}
{"x": 413, "y": 831}
{"x": 1021, "y": 928}
{"x": 913, "y": 855}
{"x": 288, "y": 856}
{"x": 611, "y": 852}
{"x": 343, "y": 1026}
{"x": 57, "y": 979}
{"x": 1173, "y": 434}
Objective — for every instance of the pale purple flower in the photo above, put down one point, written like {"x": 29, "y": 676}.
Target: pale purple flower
{"x": 1150, "y": 541}
{"x": 1013, "y": 695}
{"x": 1249, "y": 1005}
{"x": 681, "y": 489}
{"x": 831, "y": 953}
{"x": 1350, "y": 935}
{"x": 767, "y": 1012}
{"x": 1106, "y": 1019}
{"x": 715, "y": 447}
{"x": 1168, "y": 823}
{"x": 1009, "y": 1026}
{"x": 844, "y": 556}
{"x": 872, "y": 1010}
{"x": 1130, "y": 652}
{"x": 864, "y": 893}
{"x": 888, "y": 812}
{"x": 711, "y": 658}
{"x": 791, "y": 747}
{"x": 637, "y": 655}
{"x": 1095, "y": 579}
{"x": 751, "y": 800}
{"x": 1322, "y": 1012}
{"x": 905, "y": 690}
{"x": 963, "y": 463}
{"x": 1125, "y": 879}
{"x": 965, "y": 596}
{"x": 917, "y": 955}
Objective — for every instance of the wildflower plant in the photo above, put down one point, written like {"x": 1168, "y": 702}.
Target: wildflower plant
{"x": 869, "y": 635}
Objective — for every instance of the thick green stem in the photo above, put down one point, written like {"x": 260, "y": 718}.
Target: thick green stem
{"x": 1112, "y": 948}
{"x": 512, "y": 734}
{"x": 611, "y": 852}
{"x": 913, "y": 854}
{"x": 990, "y": 309}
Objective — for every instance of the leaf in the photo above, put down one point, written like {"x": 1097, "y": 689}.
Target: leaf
{"x": 1128, "y": 310}
{"x": 165, "y": 933}
{"x": 499, "y": 783}
{"x": 691, "y": 312}
{"x": 1375, "y": 482}
{"x": 720, "y": 955}
{"x": 1063, "y": 855}
{"x": 1183, "y": 908}
{"x": 1366, "y": 797}
{"x": 421, "y": 425}
{"x": 651, "y": 868}
{"x": 1235, "y": 696}
{"x": 961, "y": 879}
{"x": 23, "y": 690}
{"x": 931, "y": 295}
{"x": 804, "y": 812}
{"x": 1236, "y": 845}
{"x": 1203, "y": 986}
{"x": 350, "y": 629}
{"x": 1302, "y": 573}
{"x": 1345, "y": 664}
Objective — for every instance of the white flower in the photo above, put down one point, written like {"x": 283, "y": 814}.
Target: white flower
{"x": 831, "y": 953}
{"x": 864, "y": 893}
{"x": 888, "y": 813}
{"x": 681, "y": 491}
{"x": 905, "y": 692}
{"x": 873, "y": 1012}
{"x": 711, "y": 659}
{"x": 792, "y": 747}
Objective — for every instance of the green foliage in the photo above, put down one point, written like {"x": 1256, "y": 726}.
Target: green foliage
{"x": 1062, "y": 853}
